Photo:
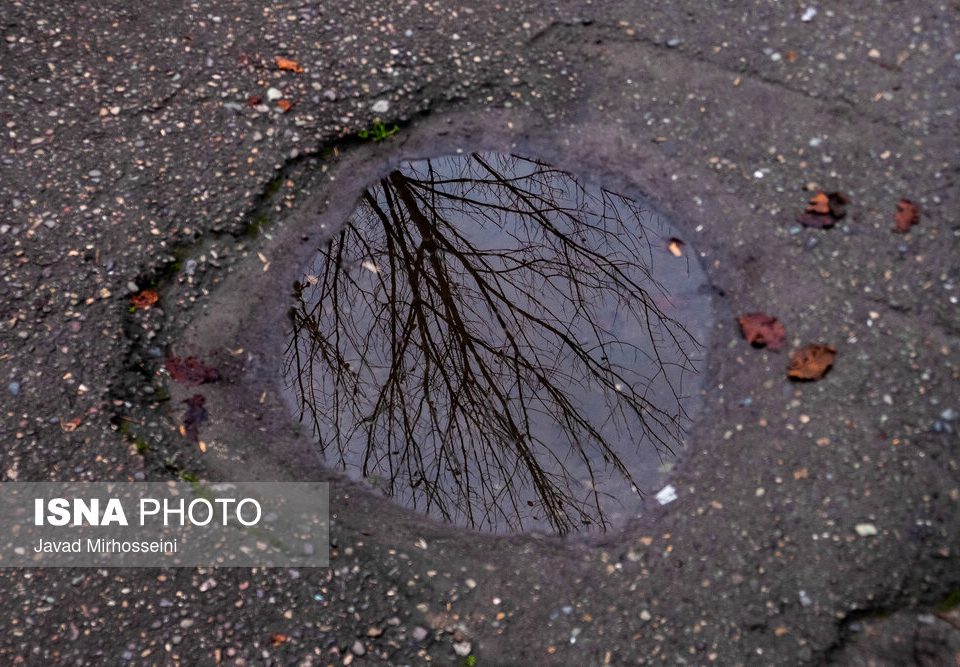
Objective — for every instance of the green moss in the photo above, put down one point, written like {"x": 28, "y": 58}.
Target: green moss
{"x": 273, "y": 187}
{"x": 952, "y": 601}
{"x": 187, "y": 476}
{"x": 142, "y": 447}
{"x": 257, "y": 224}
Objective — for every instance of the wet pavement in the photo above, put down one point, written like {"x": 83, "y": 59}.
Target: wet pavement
{"x": 165, "y": 148}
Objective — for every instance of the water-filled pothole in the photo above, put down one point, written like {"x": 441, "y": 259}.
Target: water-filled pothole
{"x": 496, "y": 343}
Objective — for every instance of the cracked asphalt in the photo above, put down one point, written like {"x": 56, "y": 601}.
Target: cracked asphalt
{"x": 147, "y": 146}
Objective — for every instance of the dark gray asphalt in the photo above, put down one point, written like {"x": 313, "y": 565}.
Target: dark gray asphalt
{"x": 141, "y": 147}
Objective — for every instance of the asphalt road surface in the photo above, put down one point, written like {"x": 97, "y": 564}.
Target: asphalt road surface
{"x": 159, "y": 146}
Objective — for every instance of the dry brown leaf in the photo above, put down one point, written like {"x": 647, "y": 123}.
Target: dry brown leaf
{"x": 819, "y": 203}
{"x": 288, "y": 65}
{"x": 811, "y": 362}
{"x": 195, "y": 415}
{"x": 144, "y": 299}
{"x": 762, "y": 330}
{"x": 824, "y": 209}
{"x": 284, "y": 105}
{"x": 907, "y": 215}
{"x": 279, "y": 638}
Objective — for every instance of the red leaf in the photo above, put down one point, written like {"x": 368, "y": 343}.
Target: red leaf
{"x": 284, "y": 105}
{"x": 254, "y": 100}
{"x": 907, "y": 215}
{"x": 144, "y": 299}
{"x": 811, "y": 362}
{"x": 288, "y": 65}
{"x": 190, "y": 370}
{"x": 762, "y": 330}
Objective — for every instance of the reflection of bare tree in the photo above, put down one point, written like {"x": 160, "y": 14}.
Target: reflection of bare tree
{"x": 479, "y": 328}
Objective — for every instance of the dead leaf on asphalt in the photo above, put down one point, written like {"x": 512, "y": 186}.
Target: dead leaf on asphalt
{"x": 762, "y": 330}
{"x": 195, "y": 415}
{"x": 811, "y": 362}
{"x": 824, "y": 209}
{"x": 288, "y": 65}
{"x": 907, "y": 215}
{"x": 190, "y": 370}
{"x": 284, "y": 105}
{"x": 145, "y": 299}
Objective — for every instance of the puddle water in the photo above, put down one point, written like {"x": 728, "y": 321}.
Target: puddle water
{"x": 495, "y": 343}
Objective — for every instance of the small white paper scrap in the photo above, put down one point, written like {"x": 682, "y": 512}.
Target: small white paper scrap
{"x": 666, "y": 495}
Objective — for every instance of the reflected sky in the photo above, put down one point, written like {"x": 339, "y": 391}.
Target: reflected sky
{"x": 492, "y": 342}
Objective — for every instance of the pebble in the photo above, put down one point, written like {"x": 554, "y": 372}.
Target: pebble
{"x": 674, "y": 42}
{"x": 419, "y": 633}
{"x": 358, "y": 648}
{"x": 13, "y": 388}
{"x": 462, "y": 649}
{"x": 330, "y": 94}
{"x": 865, "y": 529}
{"x": 804, "y": 599}
{"x": 808, "y": 14}
{"x": 273, "y": 94}
{"x": 380, "y": 106}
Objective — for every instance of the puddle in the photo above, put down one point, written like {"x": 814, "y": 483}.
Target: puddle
{"x": 492, "y": 342}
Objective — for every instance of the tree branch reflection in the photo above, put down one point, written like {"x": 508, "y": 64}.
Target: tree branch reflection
{"x": 484, "y": 339}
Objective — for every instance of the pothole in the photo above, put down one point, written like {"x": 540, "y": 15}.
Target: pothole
{"x": 496, "y": 343}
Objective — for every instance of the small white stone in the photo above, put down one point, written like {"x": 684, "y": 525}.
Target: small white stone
{"x": 273, "y": 94}
{"x": 865, "y": 529}
{"x": 808, "y": 14}
{"x": 380, "y": 106}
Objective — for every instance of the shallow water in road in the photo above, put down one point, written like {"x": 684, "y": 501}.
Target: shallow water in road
{"x": 493, "y": 342}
